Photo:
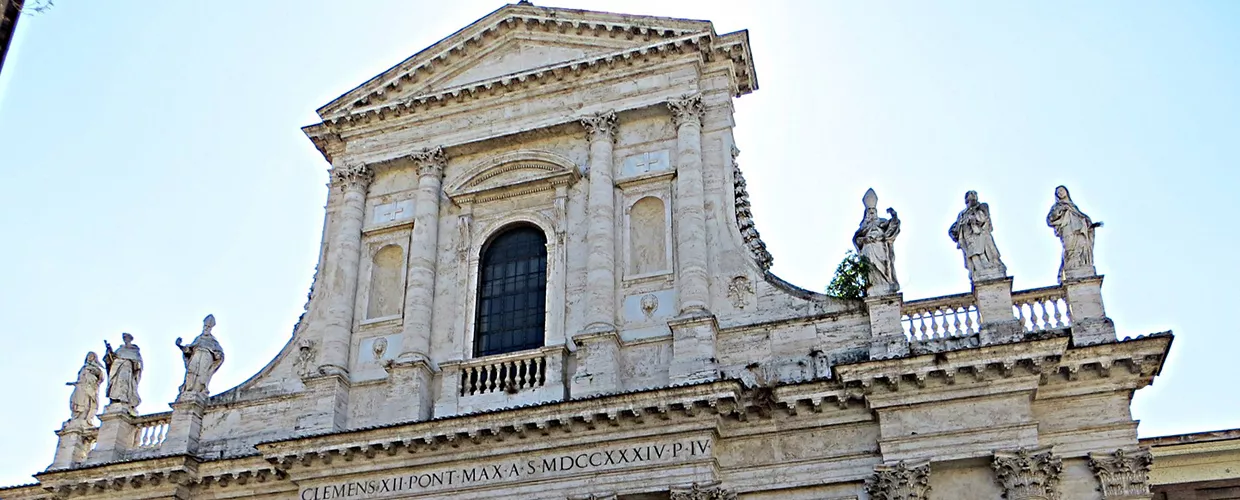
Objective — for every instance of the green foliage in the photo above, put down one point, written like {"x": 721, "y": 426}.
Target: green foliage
{"x": 850, "y": 279}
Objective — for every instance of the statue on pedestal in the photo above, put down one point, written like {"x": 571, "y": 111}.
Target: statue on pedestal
{"x": 1076, "y": 231}
{"x": 874, "y": 239}
{"x": 124, "y": 372}
{"x": 84, "y": 402}
{"x": 972, "y": 234}
{"x": 202, "y": 358}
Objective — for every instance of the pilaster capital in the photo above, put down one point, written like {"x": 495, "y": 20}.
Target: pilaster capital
{"x": 1123, "y": 474}
{"x": 352, "y": 176}
{"x": 702, "y": 492}
{"x": 430, "y": 161}
{"x": 901, "y": 481}
{"x": 601, "y": 126}
{"x": 686, "y": 109}
{"x": 1028, "y": 474}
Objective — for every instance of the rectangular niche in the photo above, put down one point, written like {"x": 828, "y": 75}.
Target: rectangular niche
{"x": 381, "y": 283}
{"x": 647, "y": 228}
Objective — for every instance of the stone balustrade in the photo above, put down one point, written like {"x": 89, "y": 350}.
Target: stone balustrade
{"x": 940, "y": 317}
{"x": 150, "y": 431}
{"x": 507, "y": 373}
{"x": 1042, "y": 309}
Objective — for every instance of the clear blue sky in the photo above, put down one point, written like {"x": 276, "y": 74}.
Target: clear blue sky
{"x": 154, "y": 171}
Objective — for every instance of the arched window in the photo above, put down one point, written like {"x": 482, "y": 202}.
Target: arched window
{"x": 512, "y": 292}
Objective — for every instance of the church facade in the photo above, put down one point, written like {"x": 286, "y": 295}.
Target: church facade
{"x": 539, "y": 279}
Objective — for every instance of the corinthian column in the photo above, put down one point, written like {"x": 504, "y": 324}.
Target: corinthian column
{"x": 344, "y": 252}
{"x": 1028, "y": 474}
{"x": 691, "y": 279}
{"x": 601, "y": 221}
{"x": 901, "y": 481}
{"x": 423, "y": 253}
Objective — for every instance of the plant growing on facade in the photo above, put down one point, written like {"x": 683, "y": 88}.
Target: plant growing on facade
{"x": 850, "y": 279}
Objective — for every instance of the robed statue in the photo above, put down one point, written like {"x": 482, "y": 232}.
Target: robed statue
{"x": 874, "y": 239}
{"x": 84, "y": 402}
{"x": 124, "y": 372}
{"x": 202, "y": 358}
{"x": 972, "y": 234}
{"x": 1076, "y": 231}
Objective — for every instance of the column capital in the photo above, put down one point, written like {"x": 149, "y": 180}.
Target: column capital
{"x": 600, "y": 126}
{"x": 430, "y": 161}
{"x": 1123, "y": 474}
{"x": 902, "y": 481}
{"x": 1028, "y": 474}
{"x": 686, "y": 109}
{"x": 352, "y": 176}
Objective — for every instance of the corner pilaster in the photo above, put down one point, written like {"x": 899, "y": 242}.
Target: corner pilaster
{"x": 693, "y": 349}
{"x": 598, "y": 365}
{"x": 1123, "y": 475}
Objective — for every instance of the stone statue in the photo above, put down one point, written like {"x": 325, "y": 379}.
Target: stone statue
{"x": 202, "y": 358}
{"x": 874, "y": 239}
{"x": 1076, "y": 231}
{"x": 124, "y": 372}
{"x": 84, "y": 402}
{"x": 972, "y": 234}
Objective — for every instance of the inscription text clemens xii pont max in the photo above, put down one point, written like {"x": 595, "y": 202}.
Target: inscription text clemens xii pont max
{"x": 517, "y": 469}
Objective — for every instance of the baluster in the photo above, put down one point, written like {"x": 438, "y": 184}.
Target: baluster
{"x": 921, "y": 317}
{"x": 969, "y": 323}
{"x": 1046, "y": 316}
{"x": 463, "y": 382}
{"x": 526, "y": 380}
{"x": 956, "y": 313}
{"x": 1019, "y": 306}
{"x": 941, "y": 324}
{"x": 1059, "y": 323}
{"x": 540, "y": 372}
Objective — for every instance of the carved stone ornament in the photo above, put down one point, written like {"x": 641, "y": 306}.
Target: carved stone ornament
{"x": 124, "y": 366}
{"x": 305, "y": 357}
{"x": 649, "y": 304}
{"x": 739, "y": 291}
{"x": 1076, "y": 233}
{"x": 972, "y": 233}
{"x": 202, "y": 358}
{"x": 702, "y": 492}
{"x": 84, "y": 402}
{"x": 430, "y": 161}
{"x": 744, "y": 218}
{"x": 687, "y": 109}
{"x": 874, "y": 239}
{"x": 600, "y": 126}
{"x": 902, "y": 481}
{"x": 1124, "y": 474}
{"x": 352, "y": 176}
{"x": 1028, "y": 474}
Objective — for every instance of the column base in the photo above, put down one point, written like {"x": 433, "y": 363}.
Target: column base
{"x": 598, "y": 364}
{"x": 693, "y": 349}
{"x": 409, "y": 396}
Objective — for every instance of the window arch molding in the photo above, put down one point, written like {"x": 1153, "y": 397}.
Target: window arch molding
{"x": 482, "y": 233}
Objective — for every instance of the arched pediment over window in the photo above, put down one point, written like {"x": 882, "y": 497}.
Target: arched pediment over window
{"x": 513, "y": 174}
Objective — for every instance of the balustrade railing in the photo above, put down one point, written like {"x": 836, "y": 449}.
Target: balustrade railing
{"x": 151, "y": 430}
{"x": 950, "y": 316}
{"x": 1041, "y": 309}
{"x": 511, "y": 373}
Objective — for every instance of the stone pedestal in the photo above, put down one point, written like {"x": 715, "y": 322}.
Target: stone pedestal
{"x": 887, "y": 339}
{"x": 598, "y": 365}
{"x": 994, "y": 306}
{"x": 116, "y": 434}
{"x": 1090, "y": 324}
{"x": 186, "y": 425}
{"x": 329, "y": 403}
{"x": 693, "y": 349}
{"x": 72, "y": 445}
{"x": 409, "y": 391}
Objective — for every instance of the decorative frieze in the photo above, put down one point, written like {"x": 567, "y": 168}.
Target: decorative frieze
{"x": 1123, "y": 474}
{"x": 1028, "y": 474}
{"x": 702, "y": 492}
{"x": 901, "y": 481}
{"x": 686, "y": 109}
{"x": 600, "y": 126}
{"x": 352, "y": 176}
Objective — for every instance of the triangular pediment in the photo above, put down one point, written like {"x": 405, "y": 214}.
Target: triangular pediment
{"x": 514, "y": 39}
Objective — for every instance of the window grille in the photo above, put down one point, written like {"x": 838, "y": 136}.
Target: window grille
{"x": 512, "y": 292}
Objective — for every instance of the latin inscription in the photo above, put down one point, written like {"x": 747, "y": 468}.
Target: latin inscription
{"x": 511, "y": 470}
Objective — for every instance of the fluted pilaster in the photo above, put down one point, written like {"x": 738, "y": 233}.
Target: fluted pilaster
{"x": 601, "y": 219}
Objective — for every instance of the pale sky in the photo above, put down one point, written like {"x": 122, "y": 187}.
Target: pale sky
{"x": 154, "y": 170}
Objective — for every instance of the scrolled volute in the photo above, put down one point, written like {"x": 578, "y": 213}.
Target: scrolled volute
{"x": 901, "y": 481}
{"x": 686, "y": 109}
{"x": 601, "y": 126}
